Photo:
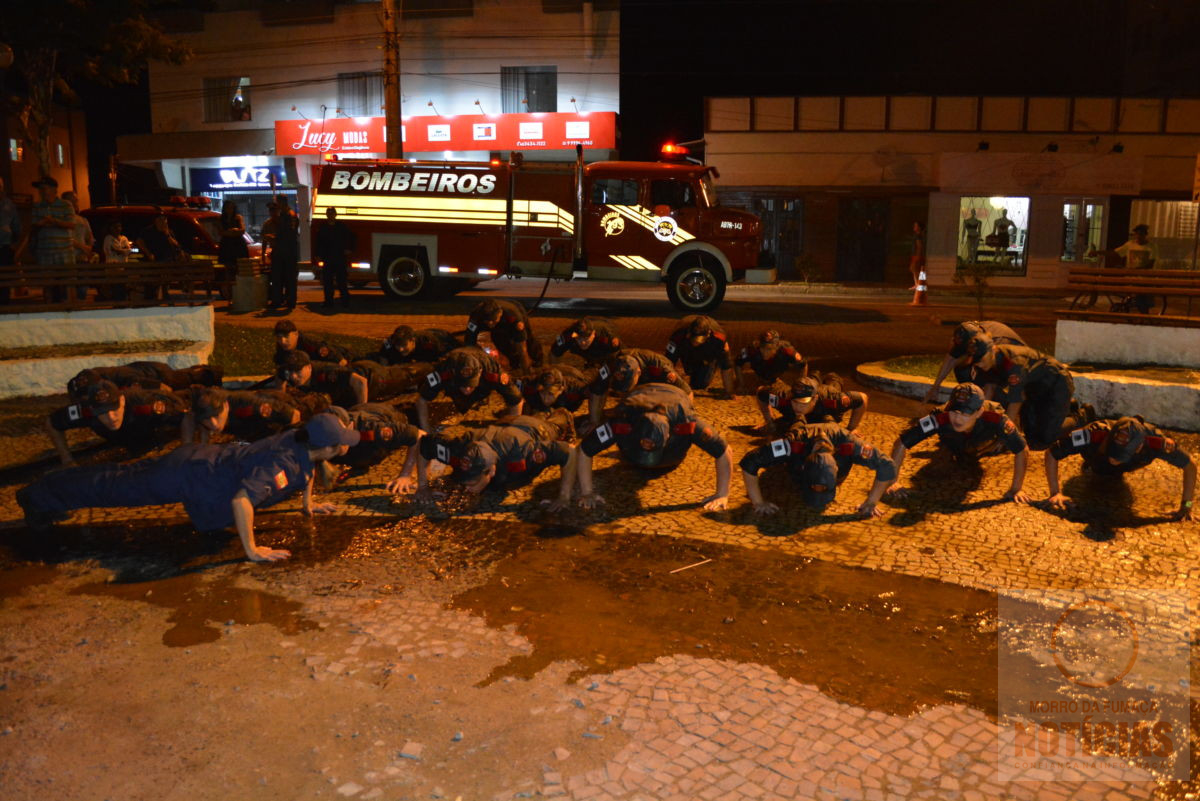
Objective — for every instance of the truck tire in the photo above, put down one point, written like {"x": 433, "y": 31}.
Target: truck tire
{"x": 696, "y": 283}
{"x": 404, "y": 277}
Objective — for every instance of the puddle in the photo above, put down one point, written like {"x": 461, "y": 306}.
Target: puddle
{"x": 202, "y": 607}
{"x": 877, "y": 640}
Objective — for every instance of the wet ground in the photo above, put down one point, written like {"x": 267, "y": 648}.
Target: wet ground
{"x": 650, "y": 650}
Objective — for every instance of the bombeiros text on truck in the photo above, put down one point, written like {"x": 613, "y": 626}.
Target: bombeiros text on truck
{"x": 439, "y": 226}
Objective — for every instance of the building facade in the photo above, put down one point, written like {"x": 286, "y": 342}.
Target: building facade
{"x": 1023, "y": 186}
{"x": 274, "y": 89}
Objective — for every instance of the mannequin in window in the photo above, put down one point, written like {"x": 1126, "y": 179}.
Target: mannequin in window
{"x": 1004, "y": 230}
{"x": 972, "y": 227}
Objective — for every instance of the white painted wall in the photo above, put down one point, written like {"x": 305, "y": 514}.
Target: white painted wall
{"x": 157, "y": 323}
{"x": 453, "y": 61}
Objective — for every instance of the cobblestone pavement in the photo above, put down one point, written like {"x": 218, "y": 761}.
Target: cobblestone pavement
{"x": 416, "y": 653}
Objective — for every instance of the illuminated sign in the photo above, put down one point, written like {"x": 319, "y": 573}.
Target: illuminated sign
{"x": 224, "y": 179}
{"x": 435, "y": 134}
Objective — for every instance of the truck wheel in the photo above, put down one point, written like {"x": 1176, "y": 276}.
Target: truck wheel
{"x": 404, "y": 278}
{"x": 697, "y": 284}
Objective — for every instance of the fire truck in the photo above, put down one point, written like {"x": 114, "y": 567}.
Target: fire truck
{"x": 424, "y": 228}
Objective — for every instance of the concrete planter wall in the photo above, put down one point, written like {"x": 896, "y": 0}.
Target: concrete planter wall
{"x": 190, "y": 323}
{"x": 1126, "y": 344}
{"x": 37, "y": 377}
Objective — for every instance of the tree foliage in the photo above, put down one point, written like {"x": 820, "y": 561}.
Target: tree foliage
{"x": 58, "y": 43}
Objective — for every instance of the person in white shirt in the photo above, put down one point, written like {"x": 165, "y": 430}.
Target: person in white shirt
{"x": 116, "y": 245}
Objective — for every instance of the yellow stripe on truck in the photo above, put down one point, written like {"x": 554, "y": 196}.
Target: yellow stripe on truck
{"x": 635, "y": 262}
{"x": 447, "y": 211}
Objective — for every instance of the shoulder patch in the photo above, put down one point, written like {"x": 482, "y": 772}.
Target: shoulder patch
{"x": 670, "y": 348}
{"x": 1156, "y": 443}
{"x": 281, "y": 481}
{"x": 471, "y": 326}
{"x": 1013, "y": 380}
{"x": 433, "y": 379}
{"x": 558, "y": 341}
{"x": 74, "y": 413}
{"x": 1080, "y": 437}
{"x": 443, "y": 454}
{"x": 504, "y": 379}
{"x": 846, "y": 449}
{"x": 992, "y": 417}
{"x": 867, "y": 452}
{"x": 928, "y": 423}
{"x": 604, "y": 373}
{"x": 780, "y": 447}
{"x": 604, "y": 433}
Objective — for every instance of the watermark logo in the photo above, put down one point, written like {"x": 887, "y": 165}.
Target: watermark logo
{"x": 1093, "y": 685}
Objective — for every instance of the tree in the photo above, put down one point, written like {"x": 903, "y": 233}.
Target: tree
{"x": 57, "y": 43}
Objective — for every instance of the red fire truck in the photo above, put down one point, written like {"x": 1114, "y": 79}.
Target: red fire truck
{"x": 425, "y": 227}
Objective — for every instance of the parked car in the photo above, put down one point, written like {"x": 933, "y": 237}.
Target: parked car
{"x": 194, "y": 225}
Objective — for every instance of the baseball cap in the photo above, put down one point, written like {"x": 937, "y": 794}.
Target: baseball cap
{"x": 701, "y": 327}
{"x": 1124, "y": 440}
{"x": 966, "y": 398}
{"x": 295, "y": 361}
{"x": 103, "y": 396}
{"x": 819, "y": 477}
{"x": 581, "y": 328}
{"x": 623, "y": 373}
{"x": 284, "y": 327}
{"x": 652, "y": 428}
{"x": 46, "y": 180}
{"x": 550, "y": 381}
{"x": 208, "y": 402}
{"x": 769, "y": 337}
{"x": 979, "y": 346}
{"x": 78, "y": 385}
{"x": 402, "y": 335}
{"x": 487, "y": 309}
{"x": 325, "y": 430}
{"x": 467, "y": 373}
{"x": 804, "y": 388}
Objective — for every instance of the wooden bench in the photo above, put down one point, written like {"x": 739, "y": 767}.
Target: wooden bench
{"x": 1121, "y": 286}
{"x": 118, "y": 284}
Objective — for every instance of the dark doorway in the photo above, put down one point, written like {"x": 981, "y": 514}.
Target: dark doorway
{"x": 862, "y": 239}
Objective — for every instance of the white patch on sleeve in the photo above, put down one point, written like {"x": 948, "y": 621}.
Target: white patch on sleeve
{"x": 772, "y": 400}
{"x": 780, "y": 447}
{"x": 604, "y": 373}
{"x": 670, "y": 348}
{"x": 472, "y": 327}
{"x": 559, "y": 341}
{"x": 1080, "y": 437}
{"x": 434, "y": 379}
{"x": 73, "y": 412}
{"x": 929, "y": 423}
{"x": 604, "y": 433}
{"x": 443, "y": 454}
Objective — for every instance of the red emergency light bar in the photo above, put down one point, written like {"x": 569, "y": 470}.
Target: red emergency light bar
{"x": 670, "y": 150}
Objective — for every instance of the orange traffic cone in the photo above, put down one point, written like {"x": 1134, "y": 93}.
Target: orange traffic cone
{"x": 921, "y": 291}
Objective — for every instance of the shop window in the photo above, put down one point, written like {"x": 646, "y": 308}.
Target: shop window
{"x": 1172, "y": 225}
{"x": 360, "y": 94}
{"x": 226, "y": 99}
{"x": 528, "y": 89}
{"x": 615, "y": 192}
{"x": 1083, "y": 231}
{"x": 993, "y": 232}
{"x": 16, "y": 150}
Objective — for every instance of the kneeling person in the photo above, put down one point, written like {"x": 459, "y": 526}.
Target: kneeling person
{"x": 818, "y": 457}
{"x": 654, "y": 426}
{"x": 218, "y": 485}
{"x": 969, "y": 426}
{"x": 1116, "y": 447}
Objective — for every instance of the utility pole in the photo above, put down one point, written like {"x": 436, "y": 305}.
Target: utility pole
{"x": 391, "y": 79}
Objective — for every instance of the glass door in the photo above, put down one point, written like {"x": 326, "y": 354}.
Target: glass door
{"x": 1082, "y": 230}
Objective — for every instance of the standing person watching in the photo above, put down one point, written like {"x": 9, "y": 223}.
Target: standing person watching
{"x": 232, "y": 245}
{"x": 54, "y": 228}
{"x": 334, "y": 243}
{"x": 10, "y": 234}
{"x": 285, "y": 256}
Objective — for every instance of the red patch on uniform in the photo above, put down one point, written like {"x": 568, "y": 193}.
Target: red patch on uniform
{"x": 265, "y": 410}
{"x": 504, "y": 378}
{"x": 160, "y": 407}
{"x": 281, "y": 481}
{"x": 615, "y": 342}
{"x": 1009, "y": 427}
{"x": 520, "y": 326}
{"x": 1013, "y": 380}
{"x": 386, "y": 432}
{"x": 867, "y": 452}
{"x": 538, "y": 456}
{"x": 463, "y": 464}
{"x": 322, "y": 351}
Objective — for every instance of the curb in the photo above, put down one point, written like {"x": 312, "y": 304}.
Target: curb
{"x": 874, "y": 374}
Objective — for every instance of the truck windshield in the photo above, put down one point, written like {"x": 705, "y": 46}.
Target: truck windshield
{"x": 708, "y": 191}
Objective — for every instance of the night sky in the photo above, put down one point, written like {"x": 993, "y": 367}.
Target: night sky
{"x": 676, "y": 52}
